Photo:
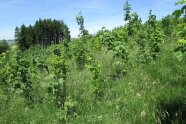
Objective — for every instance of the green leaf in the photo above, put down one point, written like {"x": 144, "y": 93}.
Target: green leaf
{"x": 180, "y": 2}
{"x": 61, "y": 81}
{"x": 182, "y": 41}
{"x": 179, "y": 56}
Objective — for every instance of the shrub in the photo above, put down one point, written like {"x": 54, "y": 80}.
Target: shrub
{"x": 3, "y": 46}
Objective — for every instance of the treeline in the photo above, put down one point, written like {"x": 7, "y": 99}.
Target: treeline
{"x": 4, "y": 46}
{"x": 44, "y": 32}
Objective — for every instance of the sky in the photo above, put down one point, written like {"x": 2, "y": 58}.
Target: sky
{"x": 96, "y": 13}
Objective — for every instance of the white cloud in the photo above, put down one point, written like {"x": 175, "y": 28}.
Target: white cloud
{"x": 160, "y": 8}
{"x": 93, "y": 26}
{"x": 7, "y": 3}
{"x": 87, "y": 5}
{"x": 7, "y": 34}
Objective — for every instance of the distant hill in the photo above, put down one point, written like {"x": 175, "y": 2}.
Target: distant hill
{"x": 11, "y": 41}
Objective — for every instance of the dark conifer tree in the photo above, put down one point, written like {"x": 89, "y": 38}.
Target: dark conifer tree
{"x": 44, "y": 32}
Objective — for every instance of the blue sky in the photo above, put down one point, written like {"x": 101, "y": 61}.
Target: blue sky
{"x": 97, "y": 13}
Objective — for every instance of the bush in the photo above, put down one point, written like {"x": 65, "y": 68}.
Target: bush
{"x": 3, "y": 46}
{"x": 173, "y": 110}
